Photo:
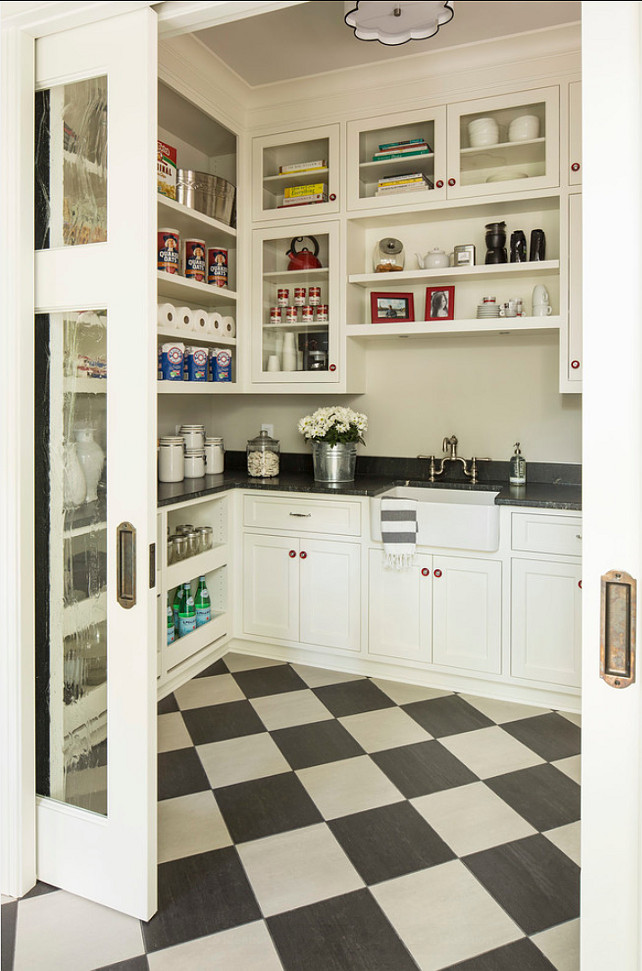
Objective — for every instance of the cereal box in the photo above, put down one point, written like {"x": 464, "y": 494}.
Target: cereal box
{"x": 166, "y": 169}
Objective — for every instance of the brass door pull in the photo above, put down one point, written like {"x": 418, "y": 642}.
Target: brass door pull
{"x": 618, "y": 623}
{"x": 126, "y": 565}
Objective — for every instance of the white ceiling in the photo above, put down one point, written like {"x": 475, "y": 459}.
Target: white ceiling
{"x": 312, "y": 38}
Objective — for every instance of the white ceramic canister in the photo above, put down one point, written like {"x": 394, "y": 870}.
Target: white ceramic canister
{"x": 194, "y": 463}
{"x": 214, "y": 456}
{"x": 91, "y": 457}
{"x": 171, "y": 459}
{"x": 193, "y": 435}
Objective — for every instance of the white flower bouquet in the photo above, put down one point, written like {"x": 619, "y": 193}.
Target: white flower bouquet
{"x": 334, "y": 426}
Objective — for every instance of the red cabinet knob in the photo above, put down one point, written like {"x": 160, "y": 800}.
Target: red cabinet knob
{"x": 575, "y": 365}
{"x": 303, "y": 554}
{"x": 452, "y": 182}
{"x": 332, "y": 367}
{"x": 425, "y": 572}
{"x": 332, "y": 196}
{"x": 579, "y": 583}
{"x": 436, "y": 573}
{"x": 575, "y": 167}
{"x": 439, "y": 183}
{"x": 292, "y": 553}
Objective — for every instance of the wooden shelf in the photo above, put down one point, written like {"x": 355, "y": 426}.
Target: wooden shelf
{"x": 176, "y": 287}
{"x": 197, "y": 336}
{"x": 197, "y": 387}
{"x": 388, "y": 280}
{"x": 456, "y": 328}
{"x": 188, "y": 221}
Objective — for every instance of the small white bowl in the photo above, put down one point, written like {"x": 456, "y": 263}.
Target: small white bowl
{"x": 523, "y": 129}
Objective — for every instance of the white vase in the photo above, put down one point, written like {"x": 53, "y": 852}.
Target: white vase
{"x": 74, "y": 485}
{"x": 91, "y": 458}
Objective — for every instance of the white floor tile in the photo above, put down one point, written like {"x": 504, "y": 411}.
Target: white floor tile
{"x": 348, "y": 786}
{"x": 443, "y": 915}
{"x": 202, "y": 692}
{"x": 571, "y": 767}
{"x": 404, "y": 694}
{"x": 567, "y": 839}
{"x": 188, "y": 825}
{"x": 59, "y": 930}
{"x": 290, "y": 708}
{"x": 248, "y": 947}
{"x": 472, "y": 818}
{"x": 561, "y": 945}
{"x": 386, "y": 728}
{"x": 297, "y": 868}
{"x": 503, "y": 711}
{"x": 490, "y": 752}
{"x": 248, "y": 662}
{"x": 241, "y": 759}
{"x": 319, "y": 677}
{"x": 572, "y": 716}
{"x": 172, "y": 733}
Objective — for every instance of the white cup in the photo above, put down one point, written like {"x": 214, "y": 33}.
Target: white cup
{"x": 542, "y": 310}
{"x": 273, "y": 363}
{"x": 540, "y": 294}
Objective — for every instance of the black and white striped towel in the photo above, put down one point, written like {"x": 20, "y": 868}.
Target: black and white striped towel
{"x": 399, "y": 531}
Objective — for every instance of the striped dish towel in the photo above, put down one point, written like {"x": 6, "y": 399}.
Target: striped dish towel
{"x": 399, "y": 531}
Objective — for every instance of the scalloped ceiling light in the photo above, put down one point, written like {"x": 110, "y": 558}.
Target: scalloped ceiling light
{"x": 397, "y": 22}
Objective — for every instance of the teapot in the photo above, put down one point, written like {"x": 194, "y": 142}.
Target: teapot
{"x": 432, "y": 260}
{"x": 304, "y": 259}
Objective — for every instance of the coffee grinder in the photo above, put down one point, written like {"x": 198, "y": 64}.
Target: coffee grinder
{"x": 496, "y": 243}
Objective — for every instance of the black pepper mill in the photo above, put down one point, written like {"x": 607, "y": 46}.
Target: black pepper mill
{"x": 518, "y": 247}
{"x": 538, "y": 245}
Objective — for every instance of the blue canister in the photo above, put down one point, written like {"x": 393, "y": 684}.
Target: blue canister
{"x": 172, "y": 361}
{"x": 196, "y": 363}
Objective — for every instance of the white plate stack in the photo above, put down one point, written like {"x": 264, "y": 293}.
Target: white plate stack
{"x": 486, "y": 310}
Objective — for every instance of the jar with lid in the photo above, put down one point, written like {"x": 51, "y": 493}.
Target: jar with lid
{"x": 263, "y": 456}
{"x": 194, "y": 463}
{"x": 193, "y": 435}
{"x": 214, "y": 456}
{"x": 206, "y": 534}
{"x": 180, "y": 547}
{"x": 171, "y": 462}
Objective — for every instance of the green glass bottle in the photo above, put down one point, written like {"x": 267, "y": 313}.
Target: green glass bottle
{"x": 171, "y": 630}
{"x": 186, "y": 612}
{"x": 202, "y": 603}
{"x": 176, "y": 607}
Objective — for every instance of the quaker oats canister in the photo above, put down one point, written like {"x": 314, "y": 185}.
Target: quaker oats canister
{"x": 194, "y": 259}
{"x": 217, "y": 266}
{"x": 168, "y": 250}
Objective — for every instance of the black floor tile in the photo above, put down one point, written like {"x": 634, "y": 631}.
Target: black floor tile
{"x": 219, "y": 667}
{"x": 551, "y": 736}
{"x": 266, "y": 806}
{"x": 179, "y": 773}
{"x": 273, "y": 680}
{"x": 420, "y": 769}
{"x": 450, "y": 715}
{"x": 9, "y": 916}
{"x": 316, "y": 744}
{"x": 200, "y": 895}
{"x": 348, "y": 932}
{"x": 167, "y": 705}
{"x": 536, "y": 884}
{"x": 39, "y": 889}
{"x": 518, "y": 956}
{"x": 353, "y": 697}
{"x": 133, "y": 964}
{"x": 219, "y": 722}
{"x": 543, "y": 795}
{"x": 389, "y": 842}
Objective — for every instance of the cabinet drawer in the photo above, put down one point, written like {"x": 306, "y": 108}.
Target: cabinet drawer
{"x": 547, "y": 534}
{"x": 303, "y": 515}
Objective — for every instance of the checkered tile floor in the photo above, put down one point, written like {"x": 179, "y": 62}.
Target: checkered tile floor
{"x": 314, "y": 820}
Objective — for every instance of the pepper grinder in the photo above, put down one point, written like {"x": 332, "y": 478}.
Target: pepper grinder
{"x": 518, "y": 247}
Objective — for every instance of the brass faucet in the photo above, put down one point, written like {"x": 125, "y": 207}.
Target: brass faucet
{"x": 449, "y": 447}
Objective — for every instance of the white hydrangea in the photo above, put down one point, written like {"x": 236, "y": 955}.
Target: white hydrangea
{"x": 334, "y": 425}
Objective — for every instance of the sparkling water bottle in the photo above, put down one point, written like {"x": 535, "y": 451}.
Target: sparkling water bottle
{"x": 202, "y": 603}
{"x": 186, "y": 612}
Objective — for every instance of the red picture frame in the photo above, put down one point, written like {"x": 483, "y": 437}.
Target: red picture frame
{"x": 392, "y": 308}
{"x": 440, "y": 303}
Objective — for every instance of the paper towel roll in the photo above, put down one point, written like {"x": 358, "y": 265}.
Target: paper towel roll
{"x": 229, "y": 326}
{"x": 216, "y": 323}
{"x": 184, "y": 318}
{"x": 166, "y": 315}
{"x": 199, "y": 323}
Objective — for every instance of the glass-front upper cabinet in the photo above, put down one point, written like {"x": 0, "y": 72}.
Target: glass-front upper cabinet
{"x": 295, "y": 315}
{"x": 296, "y": 174}
{"x": 509, "y": 143}
{"x": 398, "y": 159}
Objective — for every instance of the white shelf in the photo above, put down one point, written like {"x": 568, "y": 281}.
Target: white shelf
{"x": 176, "y": 287}
{"x": 281, "y": 275}
{"x": 195, "y": 566}
{"x": 187, "y": 220}
{"x": 196, "y": 387}
{"x": 191, "y": 336}
{"x": 275, "y": 183}
{"x": 382, "y": 168}
{"x": 387, "y": 280}
{"x": 202, "y": 637}
{"x": 456, "y": 328}
{"x": 504, "y": 153}
{"x": 85, "y": 386}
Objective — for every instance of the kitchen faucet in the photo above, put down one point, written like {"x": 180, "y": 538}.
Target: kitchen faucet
{"x": 449, "y": 446}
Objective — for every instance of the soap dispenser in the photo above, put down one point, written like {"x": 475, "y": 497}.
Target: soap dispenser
{"x": 517, "y": 467}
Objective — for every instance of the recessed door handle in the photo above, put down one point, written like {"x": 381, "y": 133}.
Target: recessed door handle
{"x": 126, "y": 565}
{"x": 618, "y": 626}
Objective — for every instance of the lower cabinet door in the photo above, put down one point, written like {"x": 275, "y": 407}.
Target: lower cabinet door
{"x": 330, "y": 594}
{"x": 400, "y": 608}
{"x": 467, "y": 615}
{"x": 546, "y": 616}
{"x": 271, "y": 586}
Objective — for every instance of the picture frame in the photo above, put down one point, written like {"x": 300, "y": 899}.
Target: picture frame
{"x": 440, "y": 303}
{"x": 395, "y": 307}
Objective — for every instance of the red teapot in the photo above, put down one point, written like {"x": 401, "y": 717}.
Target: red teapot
{"x": 304, "y": 259}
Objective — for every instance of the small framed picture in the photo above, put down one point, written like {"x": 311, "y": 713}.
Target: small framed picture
{"x": 440, "y": 303}
{"x": 388, "y": 307}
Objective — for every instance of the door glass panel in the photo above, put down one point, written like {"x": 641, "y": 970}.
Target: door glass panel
{"x": 71, "y": 557}
{"x": 71, "y": 164}
{"x": 503, "y": 145}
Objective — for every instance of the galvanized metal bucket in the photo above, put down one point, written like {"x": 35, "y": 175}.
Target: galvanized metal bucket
{"x": 206, "y": 193}
{"x": 334, "y": 463}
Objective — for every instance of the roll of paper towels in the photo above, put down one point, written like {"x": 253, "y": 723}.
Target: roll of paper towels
{"x": 199, "y": 321}
{"x": 216, "y": 323}
{"x": 229, "y": 326}
{"x": 184, "y": 318}
{"x": 166, "y": 315}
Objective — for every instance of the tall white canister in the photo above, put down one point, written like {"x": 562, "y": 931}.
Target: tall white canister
{"x": 214, "y": 456}
{"x": 171, "y": 458}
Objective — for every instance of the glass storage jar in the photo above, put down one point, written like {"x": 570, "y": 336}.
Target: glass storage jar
{"x": 263, "y": 456}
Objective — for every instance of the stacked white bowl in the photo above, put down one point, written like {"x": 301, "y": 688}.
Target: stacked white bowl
{"x": 523, "y": 129}
{"x": 482, "y": 132}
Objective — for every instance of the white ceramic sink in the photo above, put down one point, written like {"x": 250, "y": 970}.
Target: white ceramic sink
{"x": 457, "y": 519}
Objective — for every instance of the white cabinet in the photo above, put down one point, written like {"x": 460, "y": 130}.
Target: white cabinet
{"x": 546, "y": 621}
{"x": 303, "y": 590}
{"x": 575, "y": 133}
{"x": 310, "y": 158}
{"x": 444, "y": 610}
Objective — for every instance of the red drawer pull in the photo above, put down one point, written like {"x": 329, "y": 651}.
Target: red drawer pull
{"x": 575, "y": 167}
{"x": 436, "y": 573}
{"x": 332, "y": 197}
{"x": 439, "y": 183}
{"x": 292, "y": 554}
{"x": 452, "y": 182}
{"x": 579, "y": 583}
{"x": 332, "y": 367}
{"x": 575, "y": 365}
{"x": 303, "y": 554}
{"x": 425, "y": 572}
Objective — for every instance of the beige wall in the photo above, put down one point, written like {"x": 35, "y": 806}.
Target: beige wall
{"x": 489, "y": 391}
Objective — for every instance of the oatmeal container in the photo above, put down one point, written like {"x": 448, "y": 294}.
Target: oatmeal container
{"x": 194, "y": 259}
{"x": 217, "y": 267}
{"x": 169, "y": 241}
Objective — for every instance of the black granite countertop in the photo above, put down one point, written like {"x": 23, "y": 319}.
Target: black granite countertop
{"x": 379, "y": 475}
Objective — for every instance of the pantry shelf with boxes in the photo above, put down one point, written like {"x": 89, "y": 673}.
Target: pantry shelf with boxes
{"x": 296, "y": 173}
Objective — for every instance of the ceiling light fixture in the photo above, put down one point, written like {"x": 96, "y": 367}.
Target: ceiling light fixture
{"x": 395, "y": 22}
